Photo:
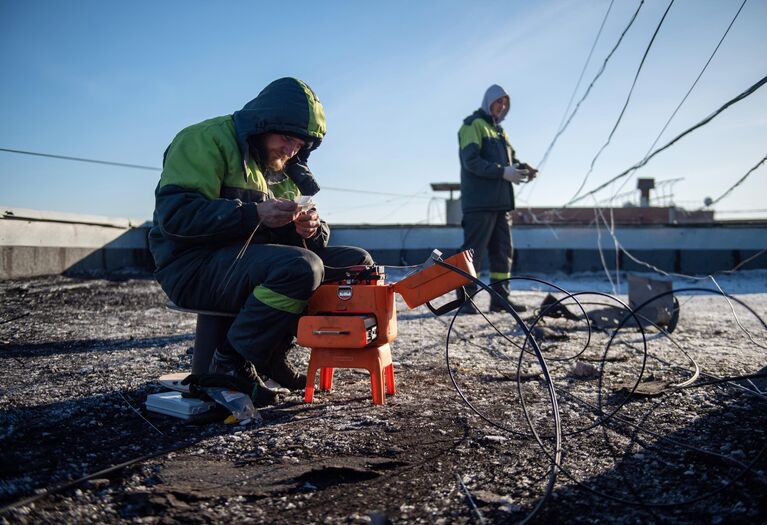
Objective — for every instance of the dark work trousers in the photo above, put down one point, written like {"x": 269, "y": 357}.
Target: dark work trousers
{"x": 267, "y": 288}
{"x": 489, "y": 231}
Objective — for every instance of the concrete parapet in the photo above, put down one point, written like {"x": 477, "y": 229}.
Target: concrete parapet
{"x": 36, "y": 243}
{"x": 39, "y": 243}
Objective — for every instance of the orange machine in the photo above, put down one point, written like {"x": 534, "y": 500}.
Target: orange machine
{"x": 351, "y": 322}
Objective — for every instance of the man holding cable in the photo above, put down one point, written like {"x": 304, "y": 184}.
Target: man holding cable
{"x": 489, "y": 169}
{"x": 234, "y": 230}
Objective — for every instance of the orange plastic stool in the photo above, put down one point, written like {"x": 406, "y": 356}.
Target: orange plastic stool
{"x": 376, "y": 360}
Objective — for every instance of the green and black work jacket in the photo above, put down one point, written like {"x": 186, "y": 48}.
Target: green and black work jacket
{"x": 210, "y": 183}
{"x": 484, "y": 152}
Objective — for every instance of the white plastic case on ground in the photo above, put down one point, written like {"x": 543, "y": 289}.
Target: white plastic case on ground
{"x": 172, "y": 404}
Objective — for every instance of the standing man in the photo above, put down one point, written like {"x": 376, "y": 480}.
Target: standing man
{"x": 489, "y": 168}
{"x": 229, "y": 236}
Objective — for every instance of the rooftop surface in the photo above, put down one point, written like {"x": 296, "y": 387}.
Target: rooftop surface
{"x": 80, "y": 356}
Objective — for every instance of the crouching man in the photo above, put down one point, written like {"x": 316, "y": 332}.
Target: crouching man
{"x": 229, "y": 236}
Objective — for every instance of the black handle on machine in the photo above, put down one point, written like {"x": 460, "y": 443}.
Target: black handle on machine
{"x": 452, "y": 305}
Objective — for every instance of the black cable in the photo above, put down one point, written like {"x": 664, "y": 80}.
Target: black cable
{"x": 154, "y": 168}
{"x": 692, "y": 86}
{"x": 81, "y": 159}
{"x": 556, "y": 458}
{"x": 703, "y": 70}
{"x": 648, "y": 155}
{"x": 542, "y": 314}
{"x": 740, "y": 181}
{"x": 626, "y": 103}
{"x": 522, "y": 352}
{"x": 730, "y": 379}
{"x": 745, "y": 94}
{"x": 585, "y": 65}
{"x": 747, "y": 468}
{"x": 15, "y": 318}
{"x": 598, "y": 409}
{"x": 403, "y": 195}
{"x": 591, "y": 85}
{"x": 70, "y": 484}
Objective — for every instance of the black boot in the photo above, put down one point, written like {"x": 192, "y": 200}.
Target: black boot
{"x": 518, "y": 307}
{"x": 226, "y": 361}
{"x": 467, "y": 307}
{"x": 281, "y": 370}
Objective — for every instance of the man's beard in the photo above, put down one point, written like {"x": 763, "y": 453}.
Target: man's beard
{"x": 275, "y": 161}
{"x": 271, "y": 160}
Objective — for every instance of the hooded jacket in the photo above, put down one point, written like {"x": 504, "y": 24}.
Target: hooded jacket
{"x": 210, "y": 182}
{"x": 484, "y": 150}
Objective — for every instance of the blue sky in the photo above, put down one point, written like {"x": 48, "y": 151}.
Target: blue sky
{"x": 116, "y": 81}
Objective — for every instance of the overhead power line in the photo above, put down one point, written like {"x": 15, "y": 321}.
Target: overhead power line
{"x": 81, "y": 159}
{"x": 586, "y": 64}
{"x": 402, "y": 195}
{"x": 695, "y": 83}
{"x": 710, "y": 58}
{"x": 626, "y": 103}
{"x": 154, "y": 168}
{"x": 591, "y": 85}
{"x": 673, "y": 141}
{"x": 740, "y": 181}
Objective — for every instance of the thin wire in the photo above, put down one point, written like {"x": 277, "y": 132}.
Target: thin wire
{"x": 601, "y": 253}
{"x": 598, "y": 409}
{"x": 692, "y": 86}
{"x": 407, "y": 201}
{"x": 361, "y": 206}
{"x": 591, "y": 85}
{"x": 618, "y": 246}
{"x": 742, "y": 96}
{"x": 139, "y": 413}
{"x": 154, "y": 168}
{"x": 386, "y": 194}
{"x": 735, "y": 315}
{"x": 556, "y": 457}
{"x": 15, "y": 318}
{"x": 763, "y": 210}
{"x": 585, "y": 65}
{"x": 230, "y": 271}
{"x": 94, "y": 475}
{"x": 471, "y": 500}
{"x": 740, "y": 181}
{"x": 703, "y": 70}
{"x": 81, "y": 159}
{"x": 674, "y": 274}
{"x": 625, "y": 104}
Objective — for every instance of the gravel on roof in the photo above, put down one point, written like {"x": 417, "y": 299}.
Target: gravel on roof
{"x": 79, "y": 357}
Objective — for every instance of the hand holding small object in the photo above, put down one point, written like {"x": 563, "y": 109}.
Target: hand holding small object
{"x": 532, "y": 173}
{"x": 307, "y": 223}
{"x": 277, "y": 212}
{"x": 514, "y": 175}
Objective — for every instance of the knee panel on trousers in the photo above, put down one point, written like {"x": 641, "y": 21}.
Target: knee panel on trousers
{"x": 304, "y": 274}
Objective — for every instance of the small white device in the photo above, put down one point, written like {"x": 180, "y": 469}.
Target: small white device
{"x": 305, "y": 202}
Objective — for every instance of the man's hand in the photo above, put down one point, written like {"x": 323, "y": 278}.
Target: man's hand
{"x": 531, "y": 172}
{"x": 277, "y": 212}
{"x": 514, "y": 174}
{"x": 307, "y": 223}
